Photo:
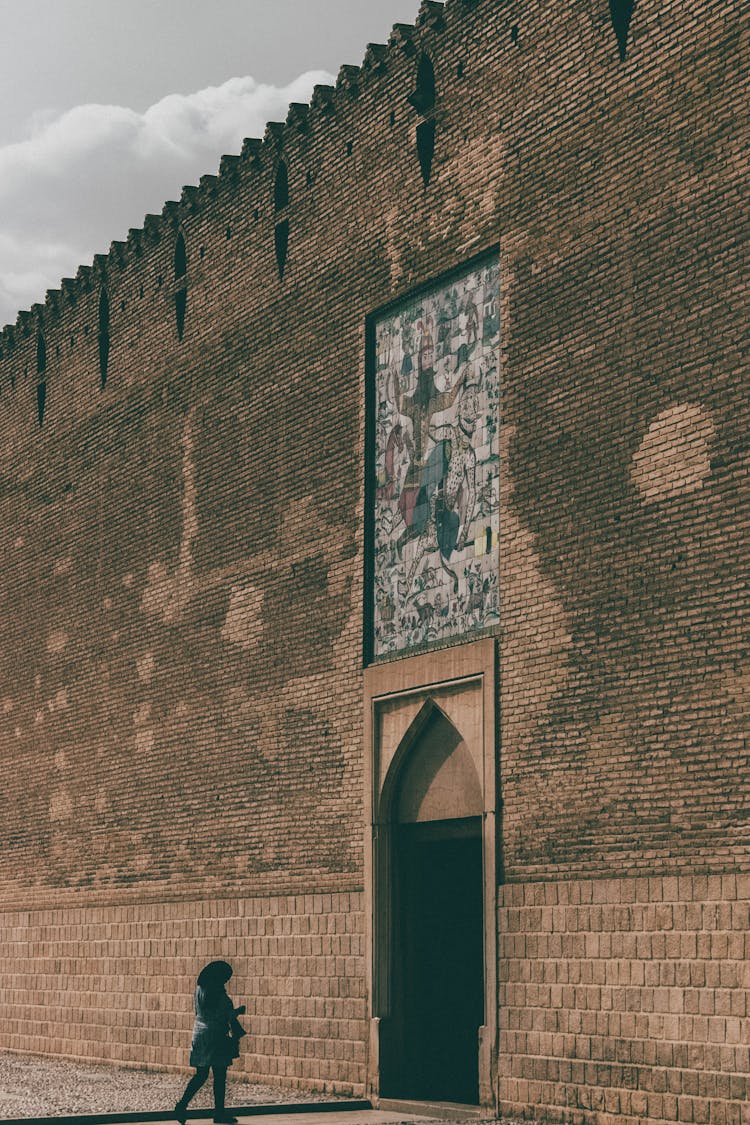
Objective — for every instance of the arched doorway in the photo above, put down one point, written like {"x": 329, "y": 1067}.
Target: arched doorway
{"x": 433, "y": 804}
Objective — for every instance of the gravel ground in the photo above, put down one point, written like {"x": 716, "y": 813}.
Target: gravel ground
{"x": 35, "y": 1086}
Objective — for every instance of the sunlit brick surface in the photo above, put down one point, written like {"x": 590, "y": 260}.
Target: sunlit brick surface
{"x": 116, "y": 983}
{"x": 626, "y": 999}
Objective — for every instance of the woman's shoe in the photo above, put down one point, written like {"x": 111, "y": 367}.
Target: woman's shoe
{"x": 180, "y": 1112}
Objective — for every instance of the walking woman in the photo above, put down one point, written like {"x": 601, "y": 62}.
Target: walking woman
{"x": 216, "y": 1033}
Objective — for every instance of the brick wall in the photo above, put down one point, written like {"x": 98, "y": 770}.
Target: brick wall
{"x": 115, "y": 983}
{"x": 626, "y": 1000}
{"x": 182, "y": 590}
{"x": 626, "y": 522}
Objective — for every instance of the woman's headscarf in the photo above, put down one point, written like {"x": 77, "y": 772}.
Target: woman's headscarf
{"x": 214, "y": 974}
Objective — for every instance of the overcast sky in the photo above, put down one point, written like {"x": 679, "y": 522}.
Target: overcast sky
{"x": 109, "y": 106}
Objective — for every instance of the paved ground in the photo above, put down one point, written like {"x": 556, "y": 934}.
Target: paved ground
{"x": 361, "y": 1117}
{"x": 358, "y": 1117}
{"x": 32, "y": 1086}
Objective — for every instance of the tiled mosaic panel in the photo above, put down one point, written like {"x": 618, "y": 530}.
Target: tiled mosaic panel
{"x": 436, "y": 464}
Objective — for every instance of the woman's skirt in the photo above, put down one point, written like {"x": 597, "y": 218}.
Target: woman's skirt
{"x": 211, "y": 1047}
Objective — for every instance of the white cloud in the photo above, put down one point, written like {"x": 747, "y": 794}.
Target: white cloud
{"x": 83, "y": 178}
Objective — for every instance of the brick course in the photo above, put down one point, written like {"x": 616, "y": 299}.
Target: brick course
{"x": 626, "y": 999}
{"x": 115, "y": 983}
{"x": 182, "y": 583}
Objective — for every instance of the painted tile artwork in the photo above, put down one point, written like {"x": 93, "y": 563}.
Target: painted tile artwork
{"x": 435, "y": 499}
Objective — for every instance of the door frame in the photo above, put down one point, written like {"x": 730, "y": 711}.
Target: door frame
{"x": 395, "y": 711}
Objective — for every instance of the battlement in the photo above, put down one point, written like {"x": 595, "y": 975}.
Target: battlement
{"x": 255, "y": 157}
{"x": 255, "y": 166}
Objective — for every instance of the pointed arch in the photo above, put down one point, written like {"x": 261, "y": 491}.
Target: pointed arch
{"x": 407, "y": 704}
{"x": 423, "y": 99}
{"x": 432, "y": 775}
{"x": 409, "y": 739}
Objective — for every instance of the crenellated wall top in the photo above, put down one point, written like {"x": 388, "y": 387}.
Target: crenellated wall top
{"x": 256, "y": 156}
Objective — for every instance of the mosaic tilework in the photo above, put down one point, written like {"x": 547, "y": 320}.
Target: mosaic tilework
{"x": 435, "y": 499}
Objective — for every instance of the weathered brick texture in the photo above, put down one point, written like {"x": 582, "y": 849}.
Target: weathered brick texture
{"x": 626, "y": 999}
{"x": 182, "y": 582}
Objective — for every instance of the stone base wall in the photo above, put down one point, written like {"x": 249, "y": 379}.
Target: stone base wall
{"x": 115, "y": 983}
{"x": 626, "y": 1000}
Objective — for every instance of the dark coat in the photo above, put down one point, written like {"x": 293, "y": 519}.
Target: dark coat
{"x": 214, "y": 1016}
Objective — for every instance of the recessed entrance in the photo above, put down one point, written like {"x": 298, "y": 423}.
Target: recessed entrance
{"x": 431, "y": 889}
{"x": 438, "y": 978}
{"x": 430, "y": 1044}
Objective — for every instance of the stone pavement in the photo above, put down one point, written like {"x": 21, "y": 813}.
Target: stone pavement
{"x": 330, "y": 1117}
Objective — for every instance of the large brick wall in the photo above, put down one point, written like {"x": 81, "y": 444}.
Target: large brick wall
{"x": 181, "y": 593}
{"x": 624, "y": 575}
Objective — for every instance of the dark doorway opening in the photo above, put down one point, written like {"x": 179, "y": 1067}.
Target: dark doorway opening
{"x": 438, "y": 965}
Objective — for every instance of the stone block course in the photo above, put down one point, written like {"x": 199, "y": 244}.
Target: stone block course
{"x": 647, "y": 1048}
{"x": 93, "y": 987}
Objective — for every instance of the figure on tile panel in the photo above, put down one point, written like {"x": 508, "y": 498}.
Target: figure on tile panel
{"x": 435, "y": 502}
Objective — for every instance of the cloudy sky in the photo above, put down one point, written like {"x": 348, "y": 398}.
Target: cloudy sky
{"x": 109, "y": 106}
